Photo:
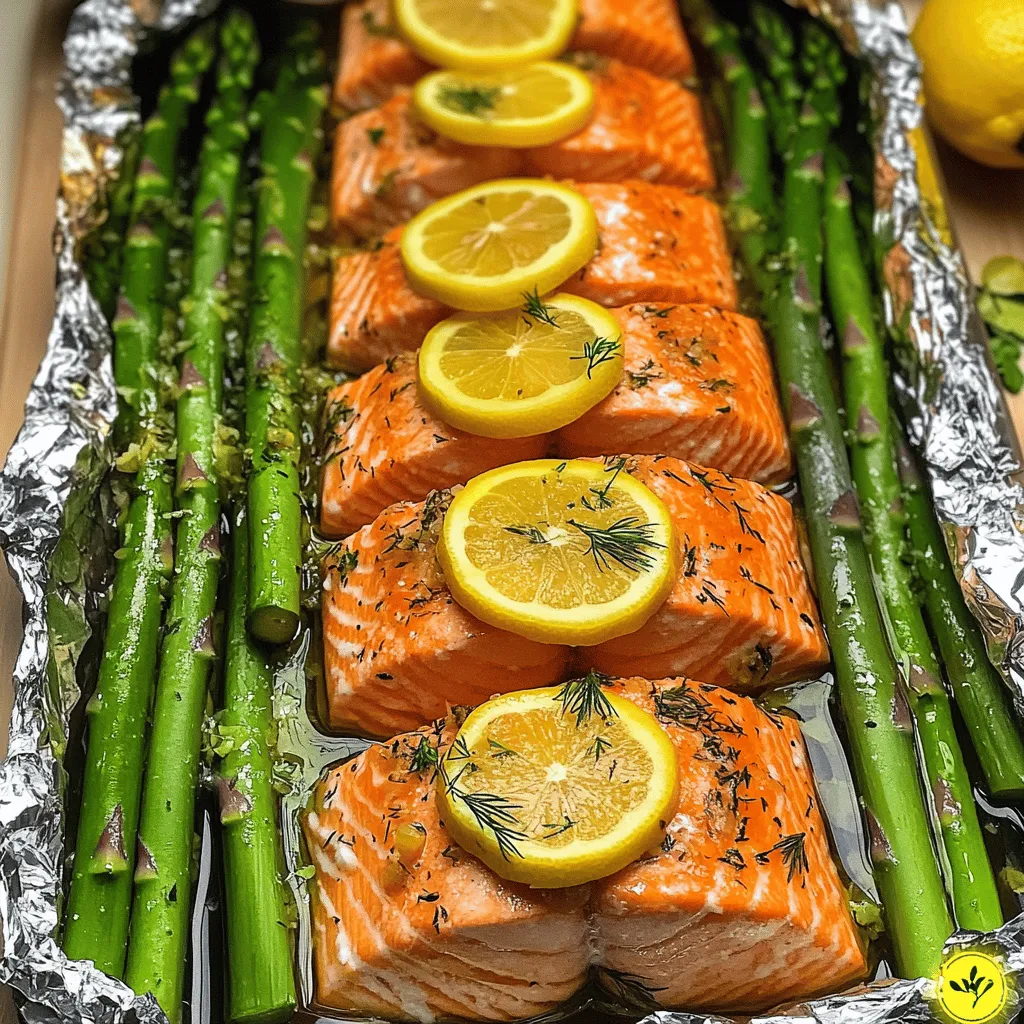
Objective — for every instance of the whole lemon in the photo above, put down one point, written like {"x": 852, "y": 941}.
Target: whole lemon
{"x": 973, "y": 55}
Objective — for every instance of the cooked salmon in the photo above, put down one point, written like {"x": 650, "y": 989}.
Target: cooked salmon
{"x": 388, "y": 166}
{"x": 645, "y": 33}
{"x": 375, "y": 62}
{"x": 740, "y": 908}
{"x": 657, "y": 243}
{"x": 374, "y": 313}
{"x": 386, "y": 448}
{"x": 643, "y": 126}
{"x": 698, "y": 384}
{"x": 398, "y": 650}
{"x": 374, "y": 59}
{"x": 741, "y": 613}
{"x": 437, "y": 936}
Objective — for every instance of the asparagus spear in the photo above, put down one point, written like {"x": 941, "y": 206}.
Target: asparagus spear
{"x": 879, "y": 729}
{"x": 780, "y": 86}
{"x": 291, "y": 140}
{"x": 98, "y": 903}
{"x": 262, "y": 988}
{"x": 980, "y": 695}
{"x": 161, "y": 903}
{"x": 866, "y": 387}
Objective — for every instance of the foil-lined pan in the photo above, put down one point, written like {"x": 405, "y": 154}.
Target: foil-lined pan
{"x": 52, "y": 516}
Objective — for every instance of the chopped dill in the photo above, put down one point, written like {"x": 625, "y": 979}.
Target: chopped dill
{"x": 794, "y": 856}
{"x": 535, "y": 308}
{"x": 500, "y": 751}
{"x": 615, "y": 467}
{"x": 375, "y": 135}
{"x": 598, "y": 351}
{"x": 424, "y": 757}
{"x": 585, "y": 697}
{"x": 468, "y": 99}
{"x": 599, "y": 747}
{"x": 627, "y": 542}
{"x": 492, "y": 812}
{"x": 557, "y": 828}
{"x": 531, "y": 533}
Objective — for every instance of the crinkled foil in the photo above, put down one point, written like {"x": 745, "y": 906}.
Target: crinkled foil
{"x": 50, "y": 486}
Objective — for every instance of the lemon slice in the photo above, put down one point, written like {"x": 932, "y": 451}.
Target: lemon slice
{"x": 479, "y": 35}
{"x": 521, "y": 372}
{"x": 482, "y": 248}
{"x": 559, "y": 786}
{"x": 531, "y": 105}
{"x": 570, "y": 552}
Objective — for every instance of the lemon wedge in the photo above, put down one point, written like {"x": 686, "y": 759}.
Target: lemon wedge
{"x": 485, "y": 34}
{"x": 559, "y": 786}
{"x": 482, "y": 248}
{"x": 531, "y": 105}
{"x": 574, "y": 552}
{"x": 525, "y": 371}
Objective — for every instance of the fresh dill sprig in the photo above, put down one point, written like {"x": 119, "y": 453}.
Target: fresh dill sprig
{"x": 492, "y": 812}
{"x": 598, "y": 351}
{"x": 633, "y": 990}
{"x": 598, "y": 747}
{"x": 424, "y": 757}
{"x": 468, "y": 99}
{"x": 532, "y": 533}
{"x": 557, "y": 828}
{"x": 627, "y": 542}
{"x": 794, "y": 855}
{"x": 535, "y": 308}
{"x": 584, "y": 698}
{"x": 615, "y": 467}
{"x": 500, "y": 751}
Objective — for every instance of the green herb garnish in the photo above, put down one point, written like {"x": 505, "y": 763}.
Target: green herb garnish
{"x": 598, "y": 351}
{"x": 535, "y": 308}
{"x": 585, "y": 697}
{"x": 627, "y": 542}
{"x": 468, "y": 99}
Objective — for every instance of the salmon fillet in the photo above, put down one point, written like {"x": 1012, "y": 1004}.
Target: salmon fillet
{"x": 741, "y": 613}
{"x": 388, "y": 448}
{"x": 699, "y": 385}
{"x": 645, "y": 33}
{"x": 741, "y": 907}
{"x": 375, "y": 61}
{"x": 657, "y": 243}
{"x": 397, "y": 648}
{"x": 374, "y": 313}
{"x": 388, "y": 166}
{"x": 443, "y": 937}
{"x": 642, "y": 127}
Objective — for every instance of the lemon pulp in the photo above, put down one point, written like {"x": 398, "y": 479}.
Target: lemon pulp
{"x": 559, "y": 786}
{"x": 482, "y": 248}
{"x": 574, "y": 552}
{"x": 521, "y": 372}
{"x": 532, "y": 105}
{"x": 481, "y": 34}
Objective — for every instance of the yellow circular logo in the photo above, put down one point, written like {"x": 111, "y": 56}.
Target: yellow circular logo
{"x": 972, "y": 988}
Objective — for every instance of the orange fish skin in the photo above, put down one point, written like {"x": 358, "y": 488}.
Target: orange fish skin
{"x": 398, "y": 650}
{"x": 374, "y": 61}
{"x": 742, "y": 907}
{"x": 645, "y": 33}
{"x": 658, "y": 243}
{"x": 388, "y": 166}
{"x": 741, "y": 613}
{"x": 625, "y": 139}
{"x": 438, "y": 936}
{"x": 388, "y": 448}
{"x": 374, "y": 313}
{"x": 698, "y": 385}
{"x": 442, "y": 935}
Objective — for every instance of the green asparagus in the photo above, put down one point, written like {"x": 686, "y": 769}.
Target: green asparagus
{"x": 161, "y": 903}
{"x": 874, "y": 706}
{"x": 292, "y": 137}
{"x": 980, "y": 695}
{"x": 98, "y": 904}
{"x": 866, "y": 388}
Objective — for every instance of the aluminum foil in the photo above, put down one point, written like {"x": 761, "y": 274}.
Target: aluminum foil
{"x": 50, "y": 490}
